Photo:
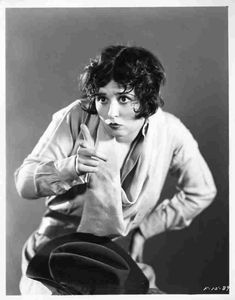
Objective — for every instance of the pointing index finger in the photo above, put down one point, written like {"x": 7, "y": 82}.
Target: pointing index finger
{"x": 86, "y": 134}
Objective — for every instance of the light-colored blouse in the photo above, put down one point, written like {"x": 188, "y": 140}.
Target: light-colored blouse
{"x": 111, "y": 203}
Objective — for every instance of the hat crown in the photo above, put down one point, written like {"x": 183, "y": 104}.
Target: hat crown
{"x": 81, "y": 263}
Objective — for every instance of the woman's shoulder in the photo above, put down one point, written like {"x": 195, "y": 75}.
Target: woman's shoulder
{"x": 167, "y": 119}
{"x": 179, "y": 130}
{"x": 73, "y": 110}
{"x": 75, "y": 114}
{"x": 71, "y": 107}
{"x": 173, "y": 126}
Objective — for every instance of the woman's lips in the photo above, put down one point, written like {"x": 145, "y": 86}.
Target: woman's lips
{"x": 115, "y": 125}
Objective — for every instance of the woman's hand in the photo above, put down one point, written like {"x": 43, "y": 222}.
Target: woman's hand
{"x": 88, "y": 159}
{"x": 137, "y": 246}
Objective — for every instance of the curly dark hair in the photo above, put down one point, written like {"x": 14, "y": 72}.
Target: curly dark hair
{"x": 133, "y": 68}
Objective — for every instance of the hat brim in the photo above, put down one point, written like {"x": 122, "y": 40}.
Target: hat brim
{"x": 38, "y": 268}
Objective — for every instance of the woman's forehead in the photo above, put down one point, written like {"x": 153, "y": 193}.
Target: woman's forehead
{"x": 115, "y": 88}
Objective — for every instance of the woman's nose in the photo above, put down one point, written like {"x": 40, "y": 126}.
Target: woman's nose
{"x": 113, "y": 110}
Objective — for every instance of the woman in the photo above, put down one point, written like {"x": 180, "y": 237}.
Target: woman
{"x": 103, "y": 160}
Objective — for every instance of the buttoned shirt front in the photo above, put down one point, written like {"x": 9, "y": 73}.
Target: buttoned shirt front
{"x": 113, "y": 206}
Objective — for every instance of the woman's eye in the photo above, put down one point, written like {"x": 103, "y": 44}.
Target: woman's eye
{"x": 101, "y": 99}
{"x": 124, "y": 99}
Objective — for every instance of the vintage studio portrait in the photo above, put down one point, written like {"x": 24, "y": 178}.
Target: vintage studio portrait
{"x": 117, "y": 151}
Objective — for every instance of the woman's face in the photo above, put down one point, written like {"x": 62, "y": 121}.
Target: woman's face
{"x": 116, "y": 110}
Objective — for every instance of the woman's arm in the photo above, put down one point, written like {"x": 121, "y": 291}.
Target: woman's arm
{"x": 50, "y": 168}
{"x": 195, "y": 187}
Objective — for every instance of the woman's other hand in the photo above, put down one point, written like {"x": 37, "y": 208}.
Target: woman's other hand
{"x": 137, "y": 246}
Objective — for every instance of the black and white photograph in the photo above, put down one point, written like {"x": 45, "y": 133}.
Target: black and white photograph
{"x": 117, "y": 150}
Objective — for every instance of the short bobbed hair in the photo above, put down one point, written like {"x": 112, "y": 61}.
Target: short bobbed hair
{"x": 133, "y": 68}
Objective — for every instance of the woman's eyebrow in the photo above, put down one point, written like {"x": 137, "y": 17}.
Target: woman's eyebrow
{"x": 99, "y": 94}
{"x": 117, "y": 93}
{"x": 124, "y": 93}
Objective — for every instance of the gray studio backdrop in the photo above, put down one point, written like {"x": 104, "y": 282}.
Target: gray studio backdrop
{"x": 47, "y": 48}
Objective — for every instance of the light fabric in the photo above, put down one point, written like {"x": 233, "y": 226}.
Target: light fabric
{"x": 109, "y": 202}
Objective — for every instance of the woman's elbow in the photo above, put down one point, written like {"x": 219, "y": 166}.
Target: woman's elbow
{"x": 210, "y": 195}
{"x": 24, "y": 187}
{"x": 25, "y": 194}
{"x": 213, "y": 191}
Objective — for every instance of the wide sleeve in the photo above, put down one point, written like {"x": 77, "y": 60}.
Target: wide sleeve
{"x": 50, "y": 168}
{"x": 195, "y": 189}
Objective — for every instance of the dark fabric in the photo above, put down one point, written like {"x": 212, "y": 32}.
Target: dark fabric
{"x": 82, "y": 263}
{"x": 100, "y": 268}
{"x": 125, "y": 241}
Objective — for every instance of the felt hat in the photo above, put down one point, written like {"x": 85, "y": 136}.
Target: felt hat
{"x": 82, "y": 263}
